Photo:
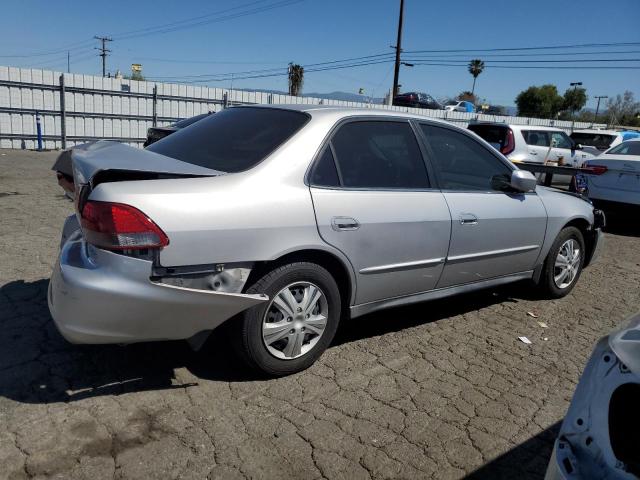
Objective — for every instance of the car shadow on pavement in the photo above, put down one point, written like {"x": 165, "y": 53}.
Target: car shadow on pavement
{"x": 380, "y": 323}
{"x": 526, "y": 461}
{"x": 619, "y": 224}
{"x": 37, "y": 365}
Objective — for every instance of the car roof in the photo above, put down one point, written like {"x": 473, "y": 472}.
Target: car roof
{"x": 595, "y": 130}
{"x": 342, "y": 112}
{"x": 519, "y": 127}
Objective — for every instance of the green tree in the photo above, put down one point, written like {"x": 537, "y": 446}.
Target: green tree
{"x": 475, "y": 68}
{"x": 623, "y": 110}
{"x": 540, "y": 102}
{"x": 296, "y": 79}
{"x": 575, "y": 99}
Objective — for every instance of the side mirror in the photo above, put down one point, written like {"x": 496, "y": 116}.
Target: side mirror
{"x": 523, "y": 181}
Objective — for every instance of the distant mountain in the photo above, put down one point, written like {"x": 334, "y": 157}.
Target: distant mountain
{"x": 343, "y": 96}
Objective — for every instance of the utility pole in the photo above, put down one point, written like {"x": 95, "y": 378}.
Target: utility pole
{"x": 575, "y": 85}
{"x": 68, "y": 61}
{"x": 398, "y": 48}
{"x": 595, "y": 115}
{"x": 104, "y": 51}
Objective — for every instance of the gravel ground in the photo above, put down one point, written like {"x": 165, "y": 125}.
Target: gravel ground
{"x": 438, "y": 390}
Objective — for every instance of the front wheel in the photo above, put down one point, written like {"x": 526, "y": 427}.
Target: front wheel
{"x": 564, "y": 262}
{"x": 290, "y": 332}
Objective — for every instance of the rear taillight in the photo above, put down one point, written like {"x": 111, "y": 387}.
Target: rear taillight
{"x": 510, "y": 145}
{"x": 595, "y": 169}
{"x": 115, "y": 226}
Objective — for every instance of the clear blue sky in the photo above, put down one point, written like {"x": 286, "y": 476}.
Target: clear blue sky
{"x": 323, "y": 30}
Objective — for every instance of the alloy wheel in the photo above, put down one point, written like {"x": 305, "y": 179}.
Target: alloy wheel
{"x": 295, "y": 320}
{"x": 567, "y": 263}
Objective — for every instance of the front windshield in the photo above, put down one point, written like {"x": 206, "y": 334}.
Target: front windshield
{"x": 627, "y": 148}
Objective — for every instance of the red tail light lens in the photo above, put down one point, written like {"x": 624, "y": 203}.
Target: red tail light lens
{"x": 595, "y": 169}
{"x": 116, "y": 226}
{"x": 510, "y": 145}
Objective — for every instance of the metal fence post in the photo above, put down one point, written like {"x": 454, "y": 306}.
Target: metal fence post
{"x": 63, "y": 115}
{"x": 155, "y": 105}
{"x": 39, "y": 130}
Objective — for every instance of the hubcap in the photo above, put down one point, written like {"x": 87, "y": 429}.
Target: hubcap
{"x": 294, "y": 320}
{"x": 567, "y": 264}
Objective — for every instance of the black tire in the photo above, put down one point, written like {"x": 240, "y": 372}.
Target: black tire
{"x": 246, "y": 331}
{"x": 547, "y": 284}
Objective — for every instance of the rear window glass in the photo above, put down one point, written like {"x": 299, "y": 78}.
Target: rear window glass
{"x": 599, "y": 140}
{"x": 496, "y": 135}
{"x": 233, "y": 140}
{"x": 627, "y": 148}
{"x": 185, "y": 122}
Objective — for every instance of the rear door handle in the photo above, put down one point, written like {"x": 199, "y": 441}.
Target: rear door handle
{"x": 468, "y": 219}
{"x": 344, "y": 223}
{"x": 533, "y": 153}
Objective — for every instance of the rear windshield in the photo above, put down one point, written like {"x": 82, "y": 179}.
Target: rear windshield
{"x": 233, "y": 140}
{"x": 185, "y": 122}
{"x": 496, "y": 135}
{"x": 627, "y": 148}
{"x": 601, "y": 141}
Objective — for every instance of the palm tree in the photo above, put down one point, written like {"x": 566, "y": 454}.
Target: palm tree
{"x": 296, "y": 79}
{"x": 475, "y": 68}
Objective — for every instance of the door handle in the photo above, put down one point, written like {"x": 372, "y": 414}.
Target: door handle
{"x": 533, "y": 153}
{"x": 344, "y": 223}
{"x": 468, "y": 219}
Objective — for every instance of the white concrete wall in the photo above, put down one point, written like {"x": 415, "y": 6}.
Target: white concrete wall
{"x": 90, "y": 111}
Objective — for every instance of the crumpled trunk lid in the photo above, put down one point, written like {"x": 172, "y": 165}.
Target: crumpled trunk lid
{"x": 91, "y": 160}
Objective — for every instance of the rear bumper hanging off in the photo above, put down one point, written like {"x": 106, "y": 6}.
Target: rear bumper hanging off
{"x": 97, "y": 296}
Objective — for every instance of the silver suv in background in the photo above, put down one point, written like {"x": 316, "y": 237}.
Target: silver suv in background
{"x": 531, "y": 143}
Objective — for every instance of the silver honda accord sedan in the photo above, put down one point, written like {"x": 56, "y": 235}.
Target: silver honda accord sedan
{"x": 283, "y": 220}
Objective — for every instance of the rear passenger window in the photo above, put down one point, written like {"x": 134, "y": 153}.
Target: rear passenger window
{"x": 324, "y": 171}
{"x": 462, "y": 163}
{"x": 538, "y": 138}
{"x": 379, "y": 154}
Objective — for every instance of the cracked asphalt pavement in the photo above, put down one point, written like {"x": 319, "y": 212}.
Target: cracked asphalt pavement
{"x": 438, "y": 390}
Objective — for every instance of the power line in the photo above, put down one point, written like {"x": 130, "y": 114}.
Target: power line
{"x": 627, "y": 52}
{"x": 70, "y": 47}
{"x": 168, "y": 28}
{"x": 577, "y": 67}
{"x": 383, "y": 57}
{"x": 489, "y": 62}
{"x": 271, "y": 72}
{"x": 547, "y": 47}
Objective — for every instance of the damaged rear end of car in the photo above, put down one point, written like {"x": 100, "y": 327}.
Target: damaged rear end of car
{"x": 109, "y": 285}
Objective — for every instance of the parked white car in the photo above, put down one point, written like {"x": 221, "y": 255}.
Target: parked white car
{"x": 460, "y": 106}
{"x": 532, "y": 143}
{"x": 597, "y": 141}
{"x": 613, "y": 178}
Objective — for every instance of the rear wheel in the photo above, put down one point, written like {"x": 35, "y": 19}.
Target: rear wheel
{"x": 563, "y": 264}
{"x": 296, "y": 325}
